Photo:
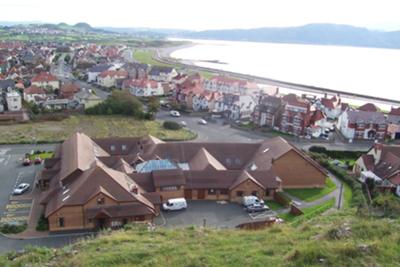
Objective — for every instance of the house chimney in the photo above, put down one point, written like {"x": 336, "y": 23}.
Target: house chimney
{"x": 134, "y": 189}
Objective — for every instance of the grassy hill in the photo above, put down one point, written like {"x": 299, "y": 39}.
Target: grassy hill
{"x": 335, "y": 239}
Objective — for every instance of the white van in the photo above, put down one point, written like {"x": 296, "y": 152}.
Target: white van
{"x": 175, "y": 204}
{"x": 251, "y": 200}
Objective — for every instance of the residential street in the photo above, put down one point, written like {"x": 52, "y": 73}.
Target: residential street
{"x": 218, "y": 132}
{"x": 63, "y": 72}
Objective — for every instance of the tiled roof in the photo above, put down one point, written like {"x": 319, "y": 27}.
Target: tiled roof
{"x": 368, "y": 107}
{"x": 34, "y": 90}
{"x": 44, "y": 77}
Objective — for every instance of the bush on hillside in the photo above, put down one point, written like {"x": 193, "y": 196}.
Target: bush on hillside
{"x": 171, "y": 125}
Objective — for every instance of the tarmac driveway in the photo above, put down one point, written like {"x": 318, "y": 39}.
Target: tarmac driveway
{"x": 200, "y": 212}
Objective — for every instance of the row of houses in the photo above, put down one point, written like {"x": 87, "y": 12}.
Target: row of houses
{"x": 92, "y": 183}
{"x": 381, "y": 164}
{"x": 368, "y": 122}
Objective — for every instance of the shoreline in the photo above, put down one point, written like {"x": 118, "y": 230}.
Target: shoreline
{"x": 164, "y": 55}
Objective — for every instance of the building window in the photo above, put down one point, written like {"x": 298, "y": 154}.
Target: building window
{"x": 169, "y": 188}
{"x": 123, "y": 147}
{"x": 239, "y": 193}
{"x": 212, "y": 191}
{"x": 101, "y": 201}
{"x": 112, "y": 147}
{"x": 223, "y": 191}
{"x": 61, "y": 222}
{"x": 254, "y": 193}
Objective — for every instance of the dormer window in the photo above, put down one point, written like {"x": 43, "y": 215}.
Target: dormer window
{"x": 101, "y": 201}
{"x": 123, "y": 147}
{"x": 112, "y": 147}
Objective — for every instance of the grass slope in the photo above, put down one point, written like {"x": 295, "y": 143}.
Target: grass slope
{"x": 146, "y": 57}
{"x": 338, "y": 239}
{"x": 94, "y": 126}
{"x": 311, "y": 194}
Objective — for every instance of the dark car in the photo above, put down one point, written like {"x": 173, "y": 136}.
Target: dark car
{"x": 257, "y": 208}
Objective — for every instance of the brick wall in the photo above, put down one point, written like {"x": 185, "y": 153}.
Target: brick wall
{"x": 296, "y": 172}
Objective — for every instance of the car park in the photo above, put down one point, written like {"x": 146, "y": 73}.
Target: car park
{"x": 174, "y": 113}
{"x": 258, "y": 207}
{"x": 202, "y": 122}
{"x": 251, "y": 200}
{"x": 21, "y": 188}
{"x": 175, "y": 204}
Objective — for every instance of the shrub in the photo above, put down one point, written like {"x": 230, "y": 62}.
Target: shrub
{"x": 43, "y": 224}
{"x": 171, "y": 125}
{"x": 119, "y": 103}
{"x": 12, "y": 228}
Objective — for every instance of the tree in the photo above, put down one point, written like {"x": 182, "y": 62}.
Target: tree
{"x": 153, "y": 106}
{"x": 67, "y": 58}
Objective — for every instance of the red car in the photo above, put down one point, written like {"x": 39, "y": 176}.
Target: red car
{"x": 37, "y": 161}
{"x": 26, "y": 162}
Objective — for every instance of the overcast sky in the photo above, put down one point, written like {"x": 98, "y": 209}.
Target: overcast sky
{"x": 206, "y": 14}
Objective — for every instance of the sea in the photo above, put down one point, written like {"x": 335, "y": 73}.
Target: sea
{"x": 367, "y": 71}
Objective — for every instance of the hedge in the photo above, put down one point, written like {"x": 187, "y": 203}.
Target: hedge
{"x": 358, "y": 195}
{"x": 171, "y": 125}
{"x": 335, "y": 153}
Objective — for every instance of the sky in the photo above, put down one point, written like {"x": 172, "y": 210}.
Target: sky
{"x": 206, "y": 14}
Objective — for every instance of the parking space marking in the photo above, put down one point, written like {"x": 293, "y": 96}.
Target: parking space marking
{"x": 17, "y": 211}
{"x": 262, "y": 215}
{"x": 4, "y": 151}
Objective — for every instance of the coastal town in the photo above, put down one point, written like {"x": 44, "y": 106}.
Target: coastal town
{"x": 253, "y": 155}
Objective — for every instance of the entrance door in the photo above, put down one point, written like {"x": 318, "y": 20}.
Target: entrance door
{"x": 188, "y": 193}
{"x": 201, "y": 194}
{"x": 101, "y": 223}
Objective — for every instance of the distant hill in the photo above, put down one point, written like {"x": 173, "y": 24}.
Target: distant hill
{"x": 322, "y": 34}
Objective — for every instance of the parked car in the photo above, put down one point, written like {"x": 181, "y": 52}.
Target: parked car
{"x": 26, "y": 162}
{"x": 175, "y": 204}
{"x": 202, "y": 122}
{"x": 183, "y": 124}
{"x": 174, "y": 113}
{"x": 251, "y": 200}
{"x": 37, "y": 161}
{"x": 257, "y": 208}
{"x": 21, "y": 188}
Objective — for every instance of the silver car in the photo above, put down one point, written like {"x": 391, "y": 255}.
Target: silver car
{"x": 21, "y": 188}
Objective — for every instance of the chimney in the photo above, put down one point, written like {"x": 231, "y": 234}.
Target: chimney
{"x": 134, "y": 189}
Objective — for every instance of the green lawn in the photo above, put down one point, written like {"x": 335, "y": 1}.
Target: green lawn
{"x": 309, "y": 212}
{"x": 94, "y": 126}
{"x": 311, "y": 194}
{"x": 146, "y": 57}
{"x": 347, "y": 196}
{"x": 44, "y": 155}
{"x": 273, "y": 205}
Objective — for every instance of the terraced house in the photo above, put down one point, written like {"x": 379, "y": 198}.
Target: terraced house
{"x": 109, "y": 182}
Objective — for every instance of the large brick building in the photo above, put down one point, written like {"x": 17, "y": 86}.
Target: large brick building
{"x": 108, "y": 182}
